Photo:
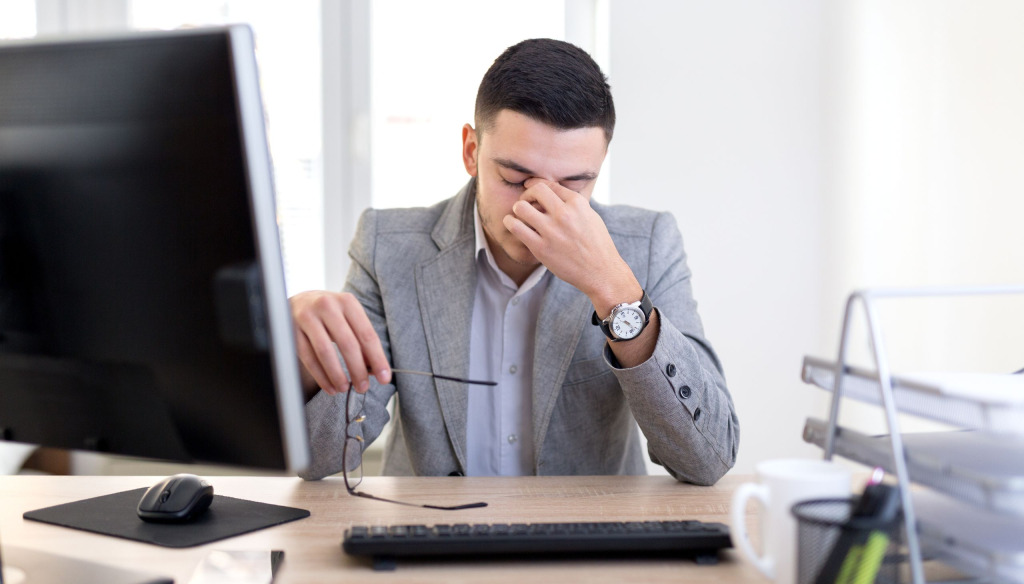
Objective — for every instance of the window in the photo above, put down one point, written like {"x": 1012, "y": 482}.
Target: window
{"x": 289, "y": 56}
{"x": 426, "y": 64}
{"x": 18, "y": 19}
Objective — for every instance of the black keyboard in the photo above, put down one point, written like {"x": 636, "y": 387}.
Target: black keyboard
{"x": 385, "y": 544}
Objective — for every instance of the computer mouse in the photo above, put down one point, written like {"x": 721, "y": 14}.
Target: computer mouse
{"x": 176, "y": 499}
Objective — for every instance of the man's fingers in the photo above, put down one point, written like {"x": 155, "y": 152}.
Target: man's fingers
{"x": 321, "y": 359}
{"x": 552, "y": 199}
{"x": 327, "y": 357}
{"x": 312, "y": 365}
{"x": 562, "y": 192}
{"x": 351, "y": 352}
{"x": 523, "y": 232}
{"x": 329, "y": 324}
{"x": 369, "y": 342}
{"x": 531, "y": 182}
{"x": 539, "y": 194}
{"x": 529, "y": 215}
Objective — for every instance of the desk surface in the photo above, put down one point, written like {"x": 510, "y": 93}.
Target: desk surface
{"x": 312, "y": 546}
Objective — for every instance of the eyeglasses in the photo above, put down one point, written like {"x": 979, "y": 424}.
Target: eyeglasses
{"x": 354, "y": 443}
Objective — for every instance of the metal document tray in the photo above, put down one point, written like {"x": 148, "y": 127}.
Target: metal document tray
{"x": 975, "y": 541}
{"x": 985, "y": 470}
{"x": 981, "y": 401}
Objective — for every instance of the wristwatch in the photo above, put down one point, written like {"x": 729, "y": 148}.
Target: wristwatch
{"x": 626, "y": 320}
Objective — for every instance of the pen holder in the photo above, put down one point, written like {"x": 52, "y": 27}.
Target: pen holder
{"x": 832, "y": 548}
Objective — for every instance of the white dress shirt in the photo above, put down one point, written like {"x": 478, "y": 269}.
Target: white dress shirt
{"x": 499, "y": 421}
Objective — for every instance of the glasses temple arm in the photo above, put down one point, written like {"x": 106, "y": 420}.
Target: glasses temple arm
{"x": 446, "y": 377}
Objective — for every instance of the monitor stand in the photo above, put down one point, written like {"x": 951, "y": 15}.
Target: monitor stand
{"x": 25, "y": 566}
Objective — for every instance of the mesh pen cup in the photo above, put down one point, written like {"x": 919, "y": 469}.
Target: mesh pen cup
{"x": 835, "y": 548}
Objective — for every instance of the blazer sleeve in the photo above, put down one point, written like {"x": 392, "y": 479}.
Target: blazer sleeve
{"x": 325, "y": 414}
{"x": 679, "y": 396}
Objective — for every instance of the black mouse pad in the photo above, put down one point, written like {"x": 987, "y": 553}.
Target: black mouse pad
{"x": 115, "y": 515}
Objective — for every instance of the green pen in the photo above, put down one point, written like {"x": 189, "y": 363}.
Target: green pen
{"x": 860, "y": 549}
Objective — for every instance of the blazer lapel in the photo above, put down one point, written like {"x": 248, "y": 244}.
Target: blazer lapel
{"x": 563, "y": 314}
{"x": 446, "y": 286}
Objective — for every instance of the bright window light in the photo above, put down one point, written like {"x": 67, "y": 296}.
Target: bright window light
{"x": 425, "y": 70}
{"x": 289, "y": 57}
{"x": 17, "y": 19}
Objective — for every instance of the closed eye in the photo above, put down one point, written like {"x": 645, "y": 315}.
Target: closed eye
{"x": 513, "y": 185}
{"x": 575, "y": 185}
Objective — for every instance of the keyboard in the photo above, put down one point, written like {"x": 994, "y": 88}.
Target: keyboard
{"x": 385, "y": 544}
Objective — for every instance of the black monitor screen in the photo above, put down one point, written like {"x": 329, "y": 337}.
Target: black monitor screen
{"x": 142, "y": 299}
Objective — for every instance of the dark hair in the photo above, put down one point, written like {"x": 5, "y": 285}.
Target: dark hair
{"x": 551, "y": 81}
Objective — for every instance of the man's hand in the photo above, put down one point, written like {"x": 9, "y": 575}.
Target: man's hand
{"x": 325, "y": 319}
{"x": 566, "y": 235}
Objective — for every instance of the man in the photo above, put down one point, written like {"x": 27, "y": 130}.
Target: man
{"x": 521, "y": 279}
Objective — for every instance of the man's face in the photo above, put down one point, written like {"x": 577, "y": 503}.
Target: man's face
{"x": 517, "y": 148}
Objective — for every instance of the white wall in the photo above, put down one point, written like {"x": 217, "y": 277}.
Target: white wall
{"x": 720, "y": 109}
{"x": 930, "y": 170}
{"x": 808, "y": 148}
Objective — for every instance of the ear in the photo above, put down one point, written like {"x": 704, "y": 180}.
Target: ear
{"x": 470, "y": 149}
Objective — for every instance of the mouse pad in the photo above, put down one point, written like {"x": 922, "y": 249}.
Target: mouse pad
{"x": 115, "y": 515}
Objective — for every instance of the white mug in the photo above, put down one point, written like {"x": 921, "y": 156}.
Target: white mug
{"x": 781, "y": 484}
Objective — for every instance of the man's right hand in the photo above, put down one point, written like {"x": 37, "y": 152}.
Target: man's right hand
{"x": 325, "y": 319}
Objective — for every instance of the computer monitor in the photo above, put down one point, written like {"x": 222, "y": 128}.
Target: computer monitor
{"x": 143, "y": 309}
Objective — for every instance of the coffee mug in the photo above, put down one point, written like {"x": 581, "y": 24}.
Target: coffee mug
{"x": 780, "y": 485}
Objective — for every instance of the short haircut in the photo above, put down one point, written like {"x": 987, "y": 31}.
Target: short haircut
{"x": 553, "y": 82}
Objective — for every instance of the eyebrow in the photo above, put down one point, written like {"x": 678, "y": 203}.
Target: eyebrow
{"x": 512, "y": 165}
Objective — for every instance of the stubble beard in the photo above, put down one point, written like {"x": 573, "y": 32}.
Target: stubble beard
{"x": 508, "y": 240}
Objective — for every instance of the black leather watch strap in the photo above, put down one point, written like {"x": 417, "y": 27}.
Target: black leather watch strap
{"x": 646, "y": 306}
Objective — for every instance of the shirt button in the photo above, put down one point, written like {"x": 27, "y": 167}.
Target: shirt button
{"x": 670, "y": 370}
{"x": 684, "y": 391}
{"x": 515, "y": 301}
{"x": 513, "y": 369}
{"x": 512, "y": 438}
{"x": 696, "y": 414}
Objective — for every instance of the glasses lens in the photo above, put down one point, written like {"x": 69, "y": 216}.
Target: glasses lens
{"x": 353, "y": 452}
{"x": 353, "y": 475}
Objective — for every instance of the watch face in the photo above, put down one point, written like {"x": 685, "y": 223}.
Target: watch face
{"x": 628, "y": 323}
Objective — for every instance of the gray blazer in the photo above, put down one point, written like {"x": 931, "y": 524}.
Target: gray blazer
{"x": 414, "y": 272}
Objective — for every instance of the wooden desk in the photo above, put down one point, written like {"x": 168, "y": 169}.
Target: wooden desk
{"x": 312, "y": 546}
